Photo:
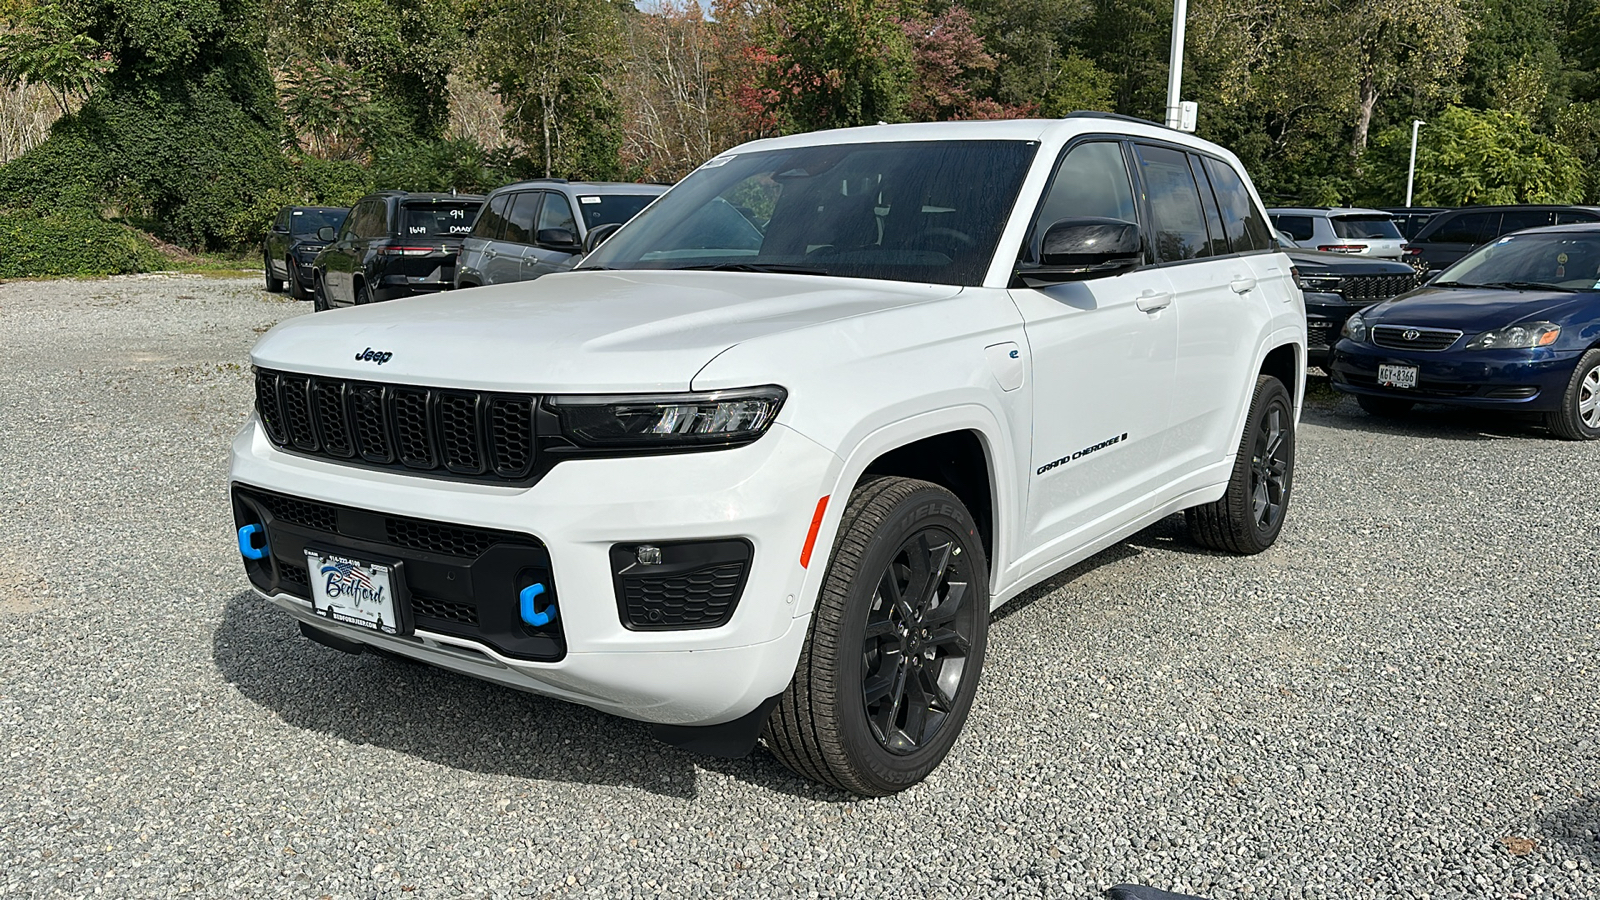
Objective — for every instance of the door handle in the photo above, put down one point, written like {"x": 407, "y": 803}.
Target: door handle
{"x": 1154, "y": 301}
{"x": 1243, "y": 285}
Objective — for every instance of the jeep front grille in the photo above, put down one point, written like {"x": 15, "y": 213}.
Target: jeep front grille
{"x": 1375, "y": 288}
{"x": 470, "y": 435}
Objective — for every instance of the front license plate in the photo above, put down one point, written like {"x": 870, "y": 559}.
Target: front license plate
{"x": 1397, "y": 376}
{"x": 353, "y": 592}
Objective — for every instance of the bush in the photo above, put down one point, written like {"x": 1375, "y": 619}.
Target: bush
{"x": 71, "y": 242}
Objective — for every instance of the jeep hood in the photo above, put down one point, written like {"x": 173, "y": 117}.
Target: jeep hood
{"x": 578, "y": 331}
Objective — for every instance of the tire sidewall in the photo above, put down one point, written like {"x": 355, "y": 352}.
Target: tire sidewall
{"x": 875, "y": 765}
{"x": 1569, "y": 400}
{"x": 1271, "y": 394}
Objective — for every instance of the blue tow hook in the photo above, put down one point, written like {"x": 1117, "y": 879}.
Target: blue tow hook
{"x": 246, "y": 545}
{"x": 536, "y": 619}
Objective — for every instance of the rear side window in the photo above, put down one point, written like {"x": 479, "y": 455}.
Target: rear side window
{"x": 1571, "y": 216}
{"x": 1469, "y": 228}
{"x": 492, "y": 220}
{"x": 1179, "y": 224}
{"x": 1365, "y": 228}
{"x": 1247, "y": 227}
{"x": 436, "y": 219}
{"x": 519, "y": 222}
{"x": 1218, "y": 245}
{"x": 1092, "y": 180}
{"x": 557, "y": 213}
{"x": 1301, "y": 228}
{"x": 1518, "y": 219}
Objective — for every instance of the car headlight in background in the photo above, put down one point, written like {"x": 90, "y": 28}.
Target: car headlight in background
{"x": 1522, "y": 336}
{"x": 1320, "y": 284}
{"x": 710, "y": 418}
{"x": 1355, "y": 328}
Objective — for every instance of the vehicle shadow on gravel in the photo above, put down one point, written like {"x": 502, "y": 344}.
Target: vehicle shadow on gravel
{"x": 1442, "y": 422}
{"x": 1574, "y": 829}
{"x": 453, "y": 720}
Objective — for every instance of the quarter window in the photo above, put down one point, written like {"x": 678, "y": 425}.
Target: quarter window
{"x": 493, "y": 219}
{"x": 1246, "y": 226}
{"x": 1301, "y": 228}
{"x": 1179, "y": 224}
{"x": 1516, "y": 220}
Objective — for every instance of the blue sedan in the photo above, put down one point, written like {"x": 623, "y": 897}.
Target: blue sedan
{"x": 1514, "y": 325}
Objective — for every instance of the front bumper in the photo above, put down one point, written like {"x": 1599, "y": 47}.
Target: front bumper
{"x": 764, "y": 494}
{"x": 1325, "y": 316}
{"x": 1531, "y": 380}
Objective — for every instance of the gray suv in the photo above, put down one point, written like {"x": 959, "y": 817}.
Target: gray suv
{"x": 1356, "y": 232}
{"x": 533, "y": 228}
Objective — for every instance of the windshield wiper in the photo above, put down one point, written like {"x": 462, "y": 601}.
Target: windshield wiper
{"x": 1527, "y": 286}
{"x": 772, "y": 268}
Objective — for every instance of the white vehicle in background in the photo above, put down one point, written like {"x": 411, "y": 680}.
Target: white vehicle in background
{"x": 1358, "y": 232}
{"x": 764, "y": 462}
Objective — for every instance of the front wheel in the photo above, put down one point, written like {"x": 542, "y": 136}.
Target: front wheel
{"x": 1578, "y": 419}
{"x": 319, "y": 294}
{"x": 891, "y": 664}
{"x": 297, "y": 288}
{"x": 1250, "y": 514}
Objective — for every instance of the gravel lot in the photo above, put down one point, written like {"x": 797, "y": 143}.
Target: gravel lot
{"x": 1396, "y": 701}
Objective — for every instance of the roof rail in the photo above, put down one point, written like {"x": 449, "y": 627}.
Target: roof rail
{"x": 549, "y": 180}
{"x": 1096, "y": 114}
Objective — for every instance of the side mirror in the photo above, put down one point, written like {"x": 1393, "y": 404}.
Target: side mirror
{"x": 279, "y": 229}
{"x": 326, "y": 233}
{"x": 598, "y": 235}
{"x": 558, "y": 239}
{"x": 1086, "y": 247}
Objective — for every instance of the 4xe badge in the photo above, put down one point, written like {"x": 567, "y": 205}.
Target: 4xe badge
{"x": 370, "y": 355}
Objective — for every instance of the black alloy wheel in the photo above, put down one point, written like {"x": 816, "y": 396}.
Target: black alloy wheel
{"x": 297, "y": 290}
{"x": 274, "y": 284}
{"x": 895, "y": 647}
{"x": 918, "y": 641}
{"x": 1250, "y": 513}
{"x": 319, "y": 294}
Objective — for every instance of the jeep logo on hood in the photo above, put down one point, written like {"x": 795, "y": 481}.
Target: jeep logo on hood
{"x": 370, "y": 355}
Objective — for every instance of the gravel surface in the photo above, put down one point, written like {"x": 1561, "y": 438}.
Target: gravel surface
{"x": 1396, "y": 701}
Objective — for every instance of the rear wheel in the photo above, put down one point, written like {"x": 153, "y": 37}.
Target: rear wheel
{"x": 274, "y": 284}
{"x": 1578, "y": 419}
{"x": 891, "y": 664}
{"x": 1384, "y": 407}
{"x": 1250, "y": 514}
{"x": 363, "y": 296}
{"x": 319, "y": 294}
{"x": 296, "y": 289}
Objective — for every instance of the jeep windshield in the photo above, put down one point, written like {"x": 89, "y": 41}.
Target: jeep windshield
{"x": 924, "y": 211}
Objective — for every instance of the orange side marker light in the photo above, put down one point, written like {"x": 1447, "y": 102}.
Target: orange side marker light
{"x": 811, "y": 536}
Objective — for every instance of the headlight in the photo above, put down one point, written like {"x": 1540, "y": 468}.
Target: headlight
{"x": 1320, "y": 284}
{"x": 712, "y": 418}
{"x": 1517, "y": 337}
{"x": 1355, "y": 328}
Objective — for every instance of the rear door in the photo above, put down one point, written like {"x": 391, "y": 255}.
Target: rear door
{"x": 1102, "y": 364}
{"x": 548, "y": 254}
{"x": 506, "y": 265}
{"x": 478, "y": 248}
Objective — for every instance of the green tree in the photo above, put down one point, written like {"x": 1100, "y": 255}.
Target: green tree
{"x": 48, "y": 47}
{"x": 1470, "y": 157}
{"x": 836, "y": 63}
{"x": 549, "y": 61}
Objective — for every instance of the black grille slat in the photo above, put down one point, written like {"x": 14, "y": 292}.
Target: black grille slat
{"x": 295, "y": 393}
{"x": 440, "y": 432}
{"x": 301, "y": 512}
{"x": 704, "y": 597}
{"x": 268, "y": 408}
{"x": 409, "y": 412}
{"x": 332, "y": 424}
{"x": 447, "y": 539}
{"x": 448, "y": 610}
{"x": 1375, "y": 288}
{"x": 511, "y": 436}
{"x": 371, "y": 432}
{"x": 1395, "y": 337}
{"x": 459, "y": 442}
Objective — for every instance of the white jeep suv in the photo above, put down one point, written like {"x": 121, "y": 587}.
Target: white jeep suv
{"x": 761, "y": 467}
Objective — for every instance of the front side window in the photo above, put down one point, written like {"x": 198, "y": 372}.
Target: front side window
{"x": 1092, "y": 180}
{"x": 1246, "y": 226}
{"x": 611, "y": 209}
{"x": 1518, "y": 219}
{"x": 924, "y": 211}
{"x": 1179, "y": 226}
{"x": 557, "y": 213}
{"x": 1470, "y": 228}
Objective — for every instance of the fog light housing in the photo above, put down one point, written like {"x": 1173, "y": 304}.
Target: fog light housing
{"x": 694, "y": 584}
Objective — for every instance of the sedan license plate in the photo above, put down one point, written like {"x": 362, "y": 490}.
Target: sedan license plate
{"x": 1397, "y": 376}
{"x": 353, "y": 592}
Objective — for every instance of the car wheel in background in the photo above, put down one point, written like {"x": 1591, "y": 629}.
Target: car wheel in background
{"x": 1578, "y": 419}
{"x": 319, "y": 297}
{"x": 274, "y": 285}
{"x": 1384, "y": 407}
{"x": 896, "y": 643}
{"x": 363, "y": 296}
{"x": 296, "y": 289}
{"x": 1250, "y": 514}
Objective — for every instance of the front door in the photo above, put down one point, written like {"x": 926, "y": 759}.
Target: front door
{"x": 1102, "y": 354}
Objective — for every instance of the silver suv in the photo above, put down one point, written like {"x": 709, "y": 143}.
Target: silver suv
{"x": 1359, "y": 232}
{"x": 533, "y": 228}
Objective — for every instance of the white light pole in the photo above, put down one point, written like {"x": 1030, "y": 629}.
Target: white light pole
{"x": 1411, "y": 172}
{"x": 1180, "y": 16}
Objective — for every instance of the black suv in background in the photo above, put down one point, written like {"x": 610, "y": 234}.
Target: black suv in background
{"x": 292, "y": 243}
{"x": 533, "y": 228}
{"x": 1336, "y": 285}
{"x": 1448, "y": 236}
{"x": 394, "y": 244}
